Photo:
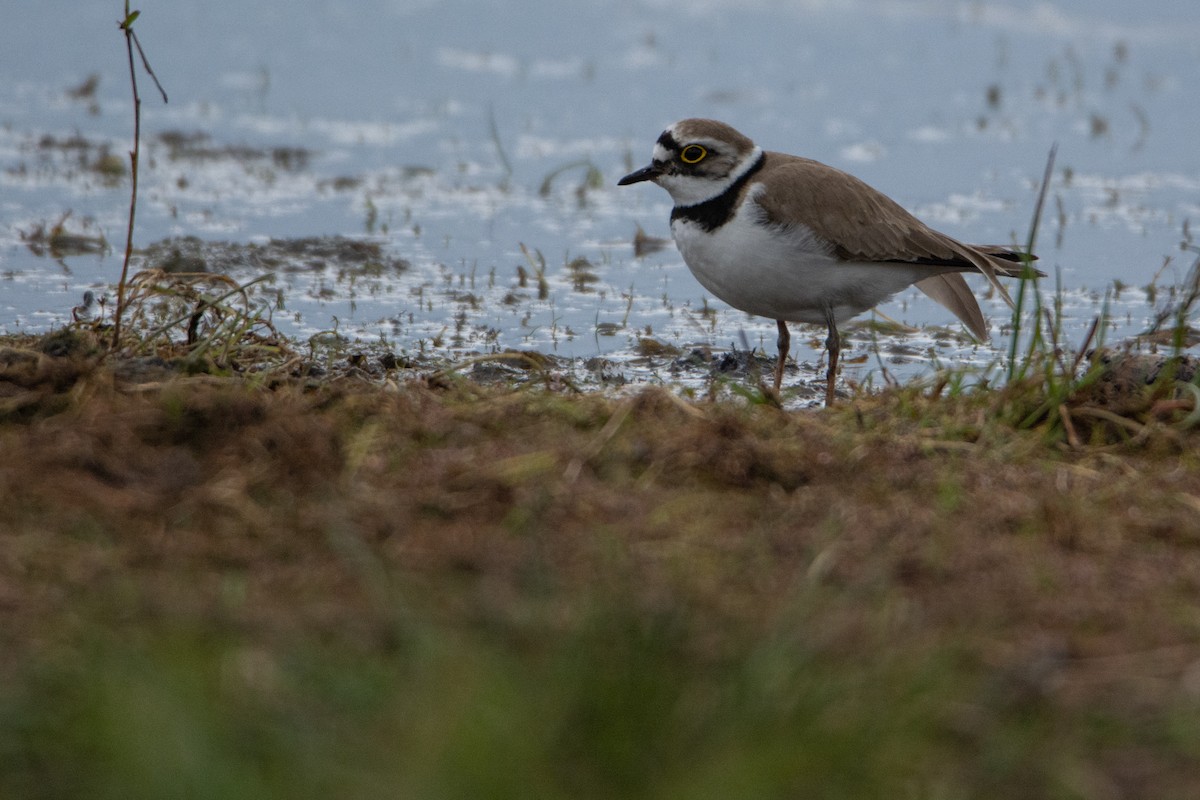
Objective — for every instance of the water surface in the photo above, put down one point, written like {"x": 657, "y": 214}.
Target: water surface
{"x": 476, "y": 141}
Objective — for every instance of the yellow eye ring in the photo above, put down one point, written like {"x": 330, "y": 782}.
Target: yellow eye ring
{"x": 692, "y": 154}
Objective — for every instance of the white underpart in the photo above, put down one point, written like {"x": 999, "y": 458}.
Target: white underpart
{"x": 785, "y": 273}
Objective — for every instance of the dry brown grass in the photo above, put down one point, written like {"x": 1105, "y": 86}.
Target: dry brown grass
{"x": 1063, "y": 579}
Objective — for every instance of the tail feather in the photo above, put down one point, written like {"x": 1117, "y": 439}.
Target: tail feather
{"x": 990, "y": 269}
{"x": 1005, "y": 253}
{"x": 996, "y": 262}
{"x": 951, "y": 290}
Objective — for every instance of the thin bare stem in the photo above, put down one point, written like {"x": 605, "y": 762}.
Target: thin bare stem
{"x": 131, "y": 41}
{"x": 495, "y": 134}
{"x": 146, "y": 64}
{"x": 133, "y": 163}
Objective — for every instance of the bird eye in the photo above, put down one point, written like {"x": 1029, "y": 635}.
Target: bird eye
{"x": 692, "y": 154}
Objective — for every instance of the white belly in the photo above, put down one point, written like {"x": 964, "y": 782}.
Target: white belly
{"x": 788, "y": 275}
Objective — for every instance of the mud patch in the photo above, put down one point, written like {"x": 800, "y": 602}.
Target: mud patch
{"x": 198, "y": 146}
{"x": 345, "y": 257}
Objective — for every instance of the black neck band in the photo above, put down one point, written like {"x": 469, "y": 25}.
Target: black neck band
{"x": 713, "y": 213}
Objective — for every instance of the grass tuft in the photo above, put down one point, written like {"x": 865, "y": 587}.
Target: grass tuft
{"x": 224, "y": 588}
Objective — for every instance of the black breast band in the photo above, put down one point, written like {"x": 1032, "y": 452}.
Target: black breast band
{"x": 712, "y": 214}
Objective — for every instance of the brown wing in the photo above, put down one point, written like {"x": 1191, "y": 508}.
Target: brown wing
{"x": 863, "y": 224}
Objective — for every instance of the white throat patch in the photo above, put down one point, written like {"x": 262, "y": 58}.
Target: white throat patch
{"x": 689, "y": 190}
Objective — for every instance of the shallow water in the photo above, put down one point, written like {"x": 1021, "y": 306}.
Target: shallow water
{"x": 477, "y": 140}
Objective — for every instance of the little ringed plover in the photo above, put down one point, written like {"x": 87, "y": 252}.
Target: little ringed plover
{"x": 794, "y": 240}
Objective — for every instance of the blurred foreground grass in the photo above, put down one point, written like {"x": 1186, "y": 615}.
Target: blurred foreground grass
{"x": 277, "y": 587}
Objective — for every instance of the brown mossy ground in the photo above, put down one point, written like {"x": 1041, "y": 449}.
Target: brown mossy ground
{"x": 404, "y": 587}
